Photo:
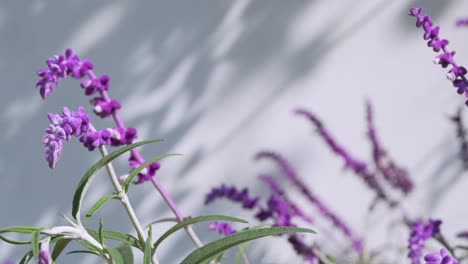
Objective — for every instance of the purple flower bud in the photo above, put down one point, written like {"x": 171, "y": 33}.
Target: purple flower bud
{"x": 147, "y": 173}
{"x": 442, "y": 258}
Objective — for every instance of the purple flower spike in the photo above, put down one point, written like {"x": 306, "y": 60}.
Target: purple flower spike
{"x": 62, "y": 128}
{"x": 442, "y": 258}
{"x": 232, "y": 194}
{"x": 397, "y": 177}
{"x": 359, "y": 167}
{"x": 463, "y": 234}
{"x": 457, "y": 74}
{"x": 222, "y": 227}
{"x": 290, "y": 174}
{"x": 421, "y": 232}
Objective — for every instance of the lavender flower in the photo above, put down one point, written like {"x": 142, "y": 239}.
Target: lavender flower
{"x": 292, "y": 176}
{"x": 8, "y": 262}
{"x": 278, "y": 209}
{"x": 222, "y": 227}
{"x": 359, "y": 167}
{"x": 397, "y": 177}
{"x": 442, "y": 258}
{"x": 232, "y": 194}
{"x": 461, "y": 134}
{"x": 62, "y": 66}
{"x": 457, "y": 73}
{"x": 302, "y": 249}
{"x": 62, "y": 128}
{"x": 420, "y": 232}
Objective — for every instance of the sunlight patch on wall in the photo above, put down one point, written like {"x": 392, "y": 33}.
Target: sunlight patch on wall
{"x": 97, "y": 27}
{"x": 18, "y": 112}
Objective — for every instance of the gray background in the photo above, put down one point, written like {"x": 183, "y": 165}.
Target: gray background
{"x": 218, "y": 80}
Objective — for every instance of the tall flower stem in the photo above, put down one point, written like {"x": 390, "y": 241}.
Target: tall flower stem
{"x": 124, "y": 199}
{"x": 156, "y": 183}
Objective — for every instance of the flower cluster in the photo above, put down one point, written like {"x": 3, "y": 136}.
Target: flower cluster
{"x": 461, "y": 134}
{"x": 359, "y": 167}
{"x": 70, "y": 65}
{"x": 397, "y": 177}
{"x": 420, "y": 232}
{"x": 431, "y": 33}
{"x": 291, "y": 175}
{"x": 62, "y": 127}
{"x": 232, "y": 194}
{"x": 442, "y": 258}
{"x": 222, "y": 227}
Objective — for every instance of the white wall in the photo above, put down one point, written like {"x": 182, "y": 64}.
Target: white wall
{"x": 218, "y": 80}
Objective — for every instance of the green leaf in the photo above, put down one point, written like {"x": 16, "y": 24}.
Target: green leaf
{"x": 194, "y": 220}
{"x": 148, "y": 251}
{"x": 135, "y": 172}
{"x": 116, "y": 256}
{"x": 35, "y": 244}
{"x": 126, "y": 251}
{"x": 215, "y": 259}
{"x": 59, "y": 247}
{"x": 99, "y": 204}
{"x": 91, "y": 173}
{"x": 218, "y": 246}
{"x": 15, "y": 242}
{"x": 27, "y": 257}
{"x": 133, "y": 241}
{"x": 20, "y": 229}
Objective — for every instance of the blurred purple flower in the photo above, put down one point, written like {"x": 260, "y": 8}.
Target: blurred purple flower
{"x": 303, "y": 249}
{"x": 224, "y": 228}
{"x": 44, "y": 254}
{"x": 397, "y": 177}
{"x": 461, "y": 22}
{"x": 359, "y": 167}
{"x": 457, "y": 74}
{"x": 420, "y": 232}
{"x": 442, "y": 258}
{"x": 292, "y": 176}
{"x": 232, "y": 194}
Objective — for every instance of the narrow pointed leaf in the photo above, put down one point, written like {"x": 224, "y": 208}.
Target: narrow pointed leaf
{"x": 83, "y": 252}
{"x": 137, "y": 170}
{"x": 218, "y": 246}
{"x": 91, "y": 173}
{"x": 148, "y": 252}
{"x": 59, "y": 247}
{"x": 101, "y": 234}
{"x": 194, "y": 220}
{"x": 101, "y": 202}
